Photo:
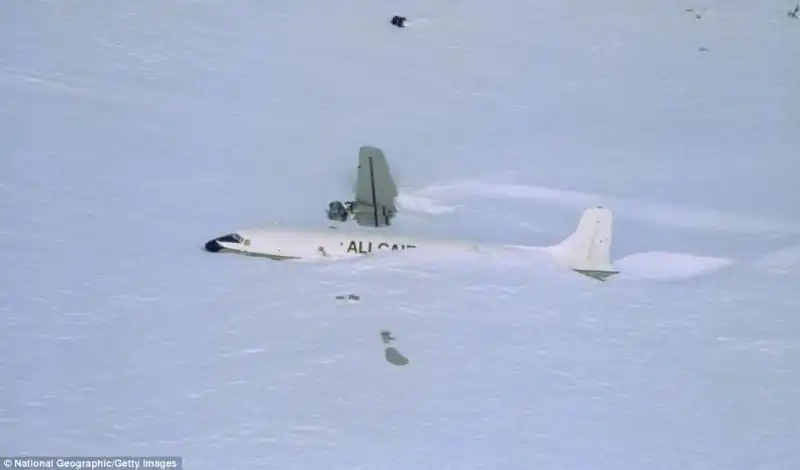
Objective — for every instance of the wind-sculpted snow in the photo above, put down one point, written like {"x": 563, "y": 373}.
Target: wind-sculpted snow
{"x": 662, "y": 265}
{"x": 783, "y": 261}
{"x": 651, "y": 212}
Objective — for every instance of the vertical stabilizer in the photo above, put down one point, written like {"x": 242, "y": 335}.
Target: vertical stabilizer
{"x": 588, "y": 249}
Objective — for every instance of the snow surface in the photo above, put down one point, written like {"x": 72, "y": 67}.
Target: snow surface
{"x": 132, "y": 132}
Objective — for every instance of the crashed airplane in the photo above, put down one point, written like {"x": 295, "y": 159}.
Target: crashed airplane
{"x": 586, "y": 251}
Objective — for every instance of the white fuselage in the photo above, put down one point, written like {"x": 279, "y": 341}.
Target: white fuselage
{"x": 585, "y": 251}
{"x": 279, "y": 243}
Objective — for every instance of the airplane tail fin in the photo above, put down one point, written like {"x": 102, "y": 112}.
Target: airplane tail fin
{"x": 587, "y": 250}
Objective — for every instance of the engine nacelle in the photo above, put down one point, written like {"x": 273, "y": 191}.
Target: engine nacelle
{"x": 340, "y": 211}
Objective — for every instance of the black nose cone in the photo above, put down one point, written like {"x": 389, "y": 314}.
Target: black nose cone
{"x": 213, "y": 246}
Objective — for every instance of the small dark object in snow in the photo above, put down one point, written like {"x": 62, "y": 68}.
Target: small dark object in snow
{"x": 703, "y": 49}
{"x": 698, "y": 14}
{"x": 794, "y": 13}
{"x": 394, "y": 357}
{"x": 399, "y": 21}
{"x": 386, "y": 336}
{"x": 348, "y": 297}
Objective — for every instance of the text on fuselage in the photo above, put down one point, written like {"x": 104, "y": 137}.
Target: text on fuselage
{"x": 358, "y": 246}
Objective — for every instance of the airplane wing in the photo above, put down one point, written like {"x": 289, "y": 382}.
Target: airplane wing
{"x": 375, "y": 189}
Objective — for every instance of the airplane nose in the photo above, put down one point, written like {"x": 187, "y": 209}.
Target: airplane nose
{"x": 213, "y": 246}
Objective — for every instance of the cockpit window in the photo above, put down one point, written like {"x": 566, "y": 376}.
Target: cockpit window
{"x": 231, "y": 238}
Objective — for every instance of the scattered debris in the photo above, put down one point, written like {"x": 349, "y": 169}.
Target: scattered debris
{"x": 386, "y": 336}
{"x": 399, "y": 21}
{"x": 698, "y": 14}
{"x": 394, "y": 357}
{"x": 349, "y": 297}
{"x": 794, "y": 13}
